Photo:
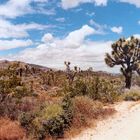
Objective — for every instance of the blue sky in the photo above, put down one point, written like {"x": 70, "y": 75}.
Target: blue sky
{"x": 48, "y": 32}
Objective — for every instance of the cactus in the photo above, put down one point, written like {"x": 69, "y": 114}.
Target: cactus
{"x": 127, "y": 54}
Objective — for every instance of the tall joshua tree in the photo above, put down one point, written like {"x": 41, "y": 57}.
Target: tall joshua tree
{"x": 126, "y": 53}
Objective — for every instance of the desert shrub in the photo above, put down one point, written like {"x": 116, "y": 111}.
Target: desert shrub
{"x": 9, "y": 109}
{"x": 132, "y": 95}
{"x": 26, "y": 119}
{"x": 67, "y": 102}
{"x": 12, "y": 107}
{"x": 55, "y": 126}
{"x": 94, "y": 87}
{"x": 78, "y": 88}
{"x": 8, "y": 88}
{"x": 28, "y": 104}
{"x": 104, "y": 90}
{"x": 20, "y": 92}
{"x": 10, "y": 130}
{"x": 109, "y": 91}
{"x": 52, "y": 111}
{"x": 32, "y": 122}
{"x": 12, "y": 91}
{"x": 56, "y": 120}
{"x": 48, "y": 78}
{"x": 49, "y": 119}
{"x": 11, "y": 85}
{"x": 85, "y": 109}
{"x": 136, "y": 80}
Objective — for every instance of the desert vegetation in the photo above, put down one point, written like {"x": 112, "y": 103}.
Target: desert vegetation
{"x": 40, "y": 103}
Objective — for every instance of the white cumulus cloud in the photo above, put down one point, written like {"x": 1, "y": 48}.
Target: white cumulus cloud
{"x": 11, "y": 44}
{"x": 47, "y": 38}
{"x": 66, "y": 4}
{"x": 17, "y": 8}
{"x": 14, "y": 8}
{"x": 117, "y": 30}
{"x": 10, "y": 30}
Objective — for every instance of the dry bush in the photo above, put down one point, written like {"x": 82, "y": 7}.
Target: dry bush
{"x": 28, "y": 104}
{"x": 10, "y": 130}
{"x": 132, "y": 94}
{"x": 85, "y": 109}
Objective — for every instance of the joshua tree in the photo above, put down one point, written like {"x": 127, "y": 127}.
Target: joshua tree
{"x": 70, "y": 74}
{"x": 125, "y": 52}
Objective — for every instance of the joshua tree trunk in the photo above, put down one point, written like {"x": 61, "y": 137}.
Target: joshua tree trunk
{"x": 128, "y": 78}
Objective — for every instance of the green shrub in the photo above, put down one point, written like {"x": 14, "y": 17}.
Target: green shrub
{"x": 109, "y": 91}
{"x": 67, "y": 102}
{"x": 56, "y": 120}
{"x": 94, "y": 88}
{"x": 51, "y": 119}
{"x": 79, "y": 88}
{"x": 51, "y": 111}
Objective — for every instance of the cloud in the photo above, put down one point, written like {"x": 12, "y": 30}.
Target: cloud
{"x": 90, "y": 14}
{"x": 17, "y": 8}
{"x": 76, "y": 38}
{"x": 73, "y": 40}
{"x": 117, "y": 30}
{"x": 60, "y": 19}
{"x": 75, "y": 47}
{"x": 100, "y": 29}
{"x": 66, "y": 4}
{"x": 134, "y": 2}
{"x": 40, "y": 1}
{"x": 47, "y": 38}
{"x": 10, "y": 30}
{"x": 14, "y": 8}
{"x": 11, "y": 44}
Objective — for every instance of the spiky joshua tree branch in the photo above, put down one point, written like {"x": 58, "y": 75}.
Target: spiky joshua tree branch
{"x": 126, "y": 53}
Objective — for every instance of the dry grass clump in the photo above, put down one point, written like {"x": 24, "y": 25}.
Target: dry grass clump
{"x": 10, "y": 130}
{"x": 132, "y": 94}
{"x": 85, "y": 109}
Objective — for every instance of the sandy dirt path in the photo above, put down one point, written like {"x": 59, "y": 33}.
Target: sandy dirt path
{"x": 124, "y": 125}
